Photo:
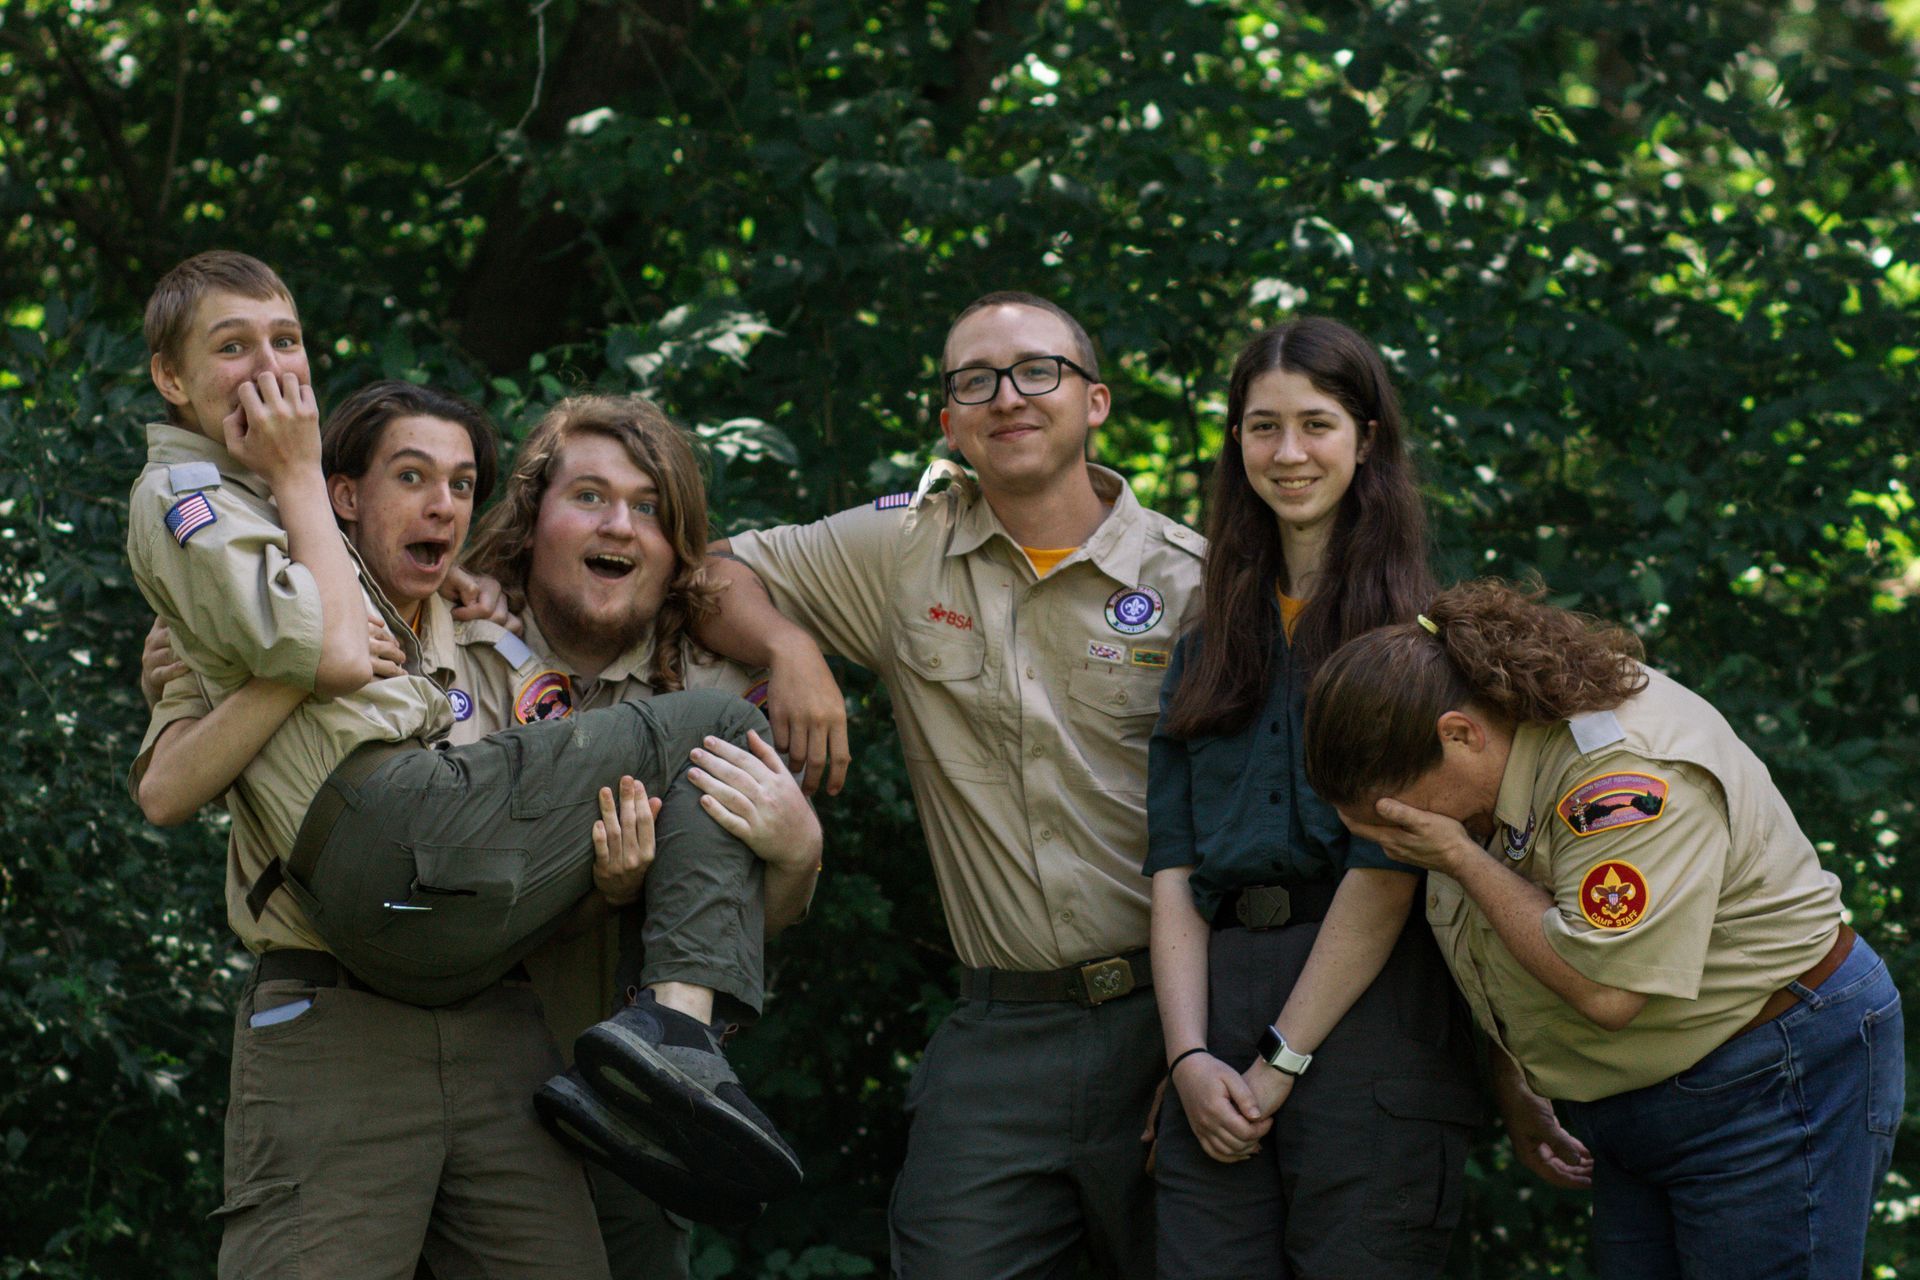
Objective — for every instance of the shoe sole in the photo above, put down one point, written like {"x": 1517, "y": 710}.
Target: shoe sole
{"x": 590, "y": 1128}
{"x": 631, "y": 1075}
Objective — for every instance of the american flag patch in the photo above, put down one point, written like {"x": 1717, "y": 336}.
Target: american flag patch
{"x": 893, "y": 501}
{"x": 189, "y": 516}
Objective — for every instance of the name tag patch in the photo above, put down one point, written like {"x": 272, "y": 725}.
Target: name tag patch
{"x": 1132, "y": 610}
{"x": 189, "y": 516}
{"x": 1613, "y": 895}
{"x": 1612, "y": 801}
{"x": 1101, "y": 651}
{"x": 1151, "y": 657}
{"x": 548, "y": 696}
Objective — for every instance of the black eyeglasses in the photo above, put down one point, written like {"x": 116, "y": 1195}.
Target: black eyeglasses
{"x": 980, "y": 383}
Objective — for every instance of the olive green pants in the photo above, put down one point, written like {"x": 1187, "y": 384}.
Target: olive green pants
{"x": 364, "y": 1133}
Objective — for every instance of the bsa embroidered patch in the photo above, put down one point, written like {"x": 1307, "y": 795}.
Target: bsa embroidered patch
{"x": 893, "y": 501}
{"x": 1151, "y": 657}
{"x": 1612, "y": 801}
{"x": 548, "y": 696}
{"x": 1101, "y": 651}
{"x": 1517, "y": 841}
{"x": 189, "y": 516}
{"x": 462, "y": 703}
{"x": 1613, "y": 895}
{"x": 1132, "y": 610}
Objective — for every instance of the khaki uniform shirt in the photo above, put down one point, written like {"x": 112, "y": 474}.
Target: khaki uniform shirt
{"x": 210, "y": 556}
{"x": 1677, "y": 871}
{"x": 1024, "y": 704}
{"x": 496, "y": 680}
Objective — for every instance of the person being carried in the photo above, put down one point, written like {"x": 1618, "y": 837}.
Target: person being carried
{"x": 409, "y": 867}
{"x": 1022, "y": 622}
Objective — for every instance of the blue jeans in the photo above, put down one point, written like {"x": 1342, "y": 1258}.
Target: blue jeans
{"x": 1761, "y": 1160}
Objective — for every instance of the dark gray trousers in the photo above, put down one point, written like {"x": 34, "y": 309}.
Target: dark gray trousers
{"x": 1363, "y": 1171}
{"x": 1025, "y": 1143}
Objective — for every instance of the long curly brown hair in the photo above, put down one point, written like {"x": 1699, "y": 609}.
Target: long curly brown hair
{"x": 1376, "y": 562}
{"x": 502, "y": 545}
{"x": 1373, "y": 707}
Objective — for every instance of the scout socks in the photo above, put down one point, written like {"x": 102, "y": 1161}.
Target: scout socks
{"x": 663, "y": 1072}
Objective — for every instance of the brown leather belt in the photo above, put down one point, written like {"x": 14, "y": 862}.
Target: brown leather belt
{"x": 1784, "y": 999}
{"x": 1089, "y": 984}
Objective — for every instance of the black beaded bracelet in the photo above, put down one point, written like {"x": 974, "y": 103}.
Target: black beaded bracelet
{"x": 1183, "y": 1057}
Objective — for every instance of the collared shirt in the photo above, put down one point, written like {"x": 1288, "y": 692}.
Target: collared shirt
{"x": 239, "y": 606}
{"x": 1676, "y": 870}
{"x": 1236, "y": 807}
{"x": 511, "y": 680}
{"x": 1023, "y": 703}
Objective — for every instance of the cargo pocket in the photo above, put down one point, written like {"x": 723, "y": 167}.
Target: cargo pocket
{"x": 1111, "y": 712}
{"x": 943, "y": 701}
{"x": 1886, "y": 1067}
{"x": 1419, "y": 1170}
{"x": 260, "y": 1232}
{"x": 458, "y": 912}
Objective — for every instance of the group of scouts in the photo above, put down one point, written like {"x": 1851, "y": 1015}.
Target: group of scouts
{"x": 507, "y": 840}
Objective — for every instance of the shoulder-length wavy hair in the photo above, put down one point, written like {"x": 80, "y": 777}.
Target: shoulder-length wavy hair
{"x": 1376, "y": 568}
{"x": 503, "y": 540}
{"x": 1373, "y": 707}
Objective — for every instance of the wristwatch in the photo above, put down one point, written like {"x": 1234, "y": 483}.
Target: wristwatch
{"x": 1275, "y": 1053}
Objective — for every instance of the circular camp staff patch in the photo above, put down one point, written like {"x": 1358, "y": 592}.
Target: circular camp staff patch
{"x": 1132, "y": 610}
{"x": 1613, "y": 895}
{"x": 548, "y": 696}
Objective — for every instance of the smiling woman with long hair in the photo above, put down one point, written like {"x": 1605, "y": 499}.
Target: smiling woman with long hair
{"x": 1277, "y": 937}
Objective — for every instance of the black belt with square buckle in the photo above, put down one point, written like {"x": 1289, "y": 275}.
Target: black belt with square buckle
{"x": 1087, "y": 985}
{"x": 1269, "y": 906}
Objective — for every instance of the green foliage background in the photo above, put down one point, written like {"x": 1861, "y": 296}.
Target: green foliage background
{"x": 1648, "y": 272}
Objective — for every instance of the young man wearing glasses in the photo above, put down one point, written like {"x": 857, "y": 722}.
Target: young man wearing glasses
{"x": 1022, "y": 621}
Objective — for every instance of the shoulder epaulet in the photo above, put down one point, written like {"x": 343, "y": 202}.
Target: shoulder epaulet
{"x": 941, "y": 476}
{"x": 512, "y": 648}
{"x": 191, "y": 477}
{"x": 472, "y": 632}
{"x": 1186, "y": 539}
{"x": 1593, "y": 730}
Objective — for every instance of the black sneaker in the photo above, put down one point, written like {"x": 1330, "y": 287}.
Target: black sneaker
{"x": 663, "y": 1068}
{"x": 591, "y": 1128}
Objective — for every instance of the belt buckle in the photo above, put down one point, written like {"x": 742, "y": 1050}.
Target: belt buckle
{"x": 1264, "y": 906}
{"x": 1106, "y": 980}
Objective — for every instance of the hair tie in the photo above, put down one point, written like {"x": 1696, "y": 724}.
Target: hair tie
{"x": 1432, "y": 627}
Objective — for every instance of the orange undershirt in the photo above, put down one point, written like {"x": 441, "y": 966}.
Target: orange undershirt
{"x": 1290, "y": 610}
{"x": 1045, "y": 559}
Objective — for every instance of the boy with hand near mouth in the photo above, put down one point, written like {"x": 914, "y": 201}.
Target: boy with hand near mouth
{"x": 337, "y": 1141}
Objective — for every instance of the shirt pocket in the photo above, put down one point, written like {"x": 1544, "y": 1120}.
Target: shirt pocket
{"x": 1111, "y": 713}
{"x": 944, "y": 701}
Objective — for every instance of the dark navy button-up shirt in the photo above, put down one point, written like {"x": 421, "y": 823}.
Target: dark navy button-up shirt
{"x": 1236, "y": 807}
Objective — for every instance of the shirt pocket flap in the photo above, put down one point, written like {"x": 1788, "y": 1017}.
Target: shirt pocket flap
{"x": 942, "y": 654}
{"x": 1114, "y": 691}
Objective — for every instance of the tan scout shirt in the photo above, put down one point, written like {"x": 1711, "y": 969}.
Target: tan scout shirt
{"x": 489, "y": 673}
{"x": 1024, "y": 704}
{"x": 1677, "y": 871}
{"x": 239, "y": 606}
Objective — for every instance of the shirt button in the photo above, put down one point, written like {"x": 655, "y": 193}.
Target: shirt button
{"x": 1273, "y": 797}
{"x": 1038, "y": 751}
{"x": 934, "y": 661}
{"x": 1275, "y": 727}
{"x": 1433, "y": 902}
{"x": 1046, "y": 833}
{"x": 1029, "y": 673}
{"x": 1066, "y": 917}
{"x": 1119, "y": 697}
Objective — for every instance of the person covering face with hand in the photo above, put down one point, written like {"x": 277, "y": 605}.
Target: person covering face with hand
{"x": 1639, "y": 924}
